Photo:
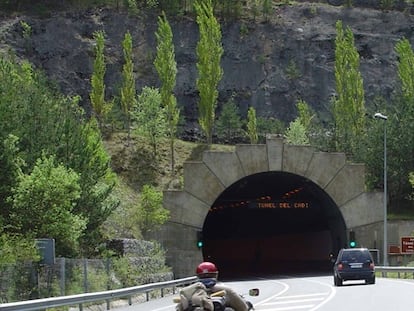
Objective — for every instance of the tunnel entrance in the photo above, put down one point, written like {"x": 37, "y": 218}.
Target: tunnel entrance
{"x": 272, "y": 222}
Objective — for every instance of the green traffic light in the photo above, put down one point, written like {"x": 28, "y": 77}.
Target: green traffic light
{"x": 200, "y": 244}
{"x": 352, "y": 239}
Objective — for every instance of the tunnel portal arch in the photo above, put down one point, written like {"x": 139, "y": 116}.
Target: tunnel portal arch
{"x": 272, "y": 222}
{"x": 328, "y": 180}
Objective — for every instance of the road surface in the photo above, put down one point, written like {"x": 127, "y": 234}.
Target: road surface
{"x": 311, "y": 293}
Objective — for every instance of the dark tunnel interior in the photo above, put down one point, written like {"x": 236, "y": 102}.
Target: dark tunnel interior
{"x": 272, "y": 223}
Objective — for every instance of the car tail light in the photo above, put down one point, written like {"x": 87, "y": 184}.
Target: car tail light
{"x": 371, "y": 266}
{"x": 340, "y": 266}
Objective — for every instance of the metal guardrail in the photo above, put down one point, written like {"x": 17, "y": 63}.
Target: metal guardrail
{"x": 401, "y": 271}
{"x": 80, "y": 299}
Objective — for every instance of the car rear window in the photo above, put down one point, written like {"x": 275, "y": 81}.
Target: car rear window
{"x": 355, "y": 256}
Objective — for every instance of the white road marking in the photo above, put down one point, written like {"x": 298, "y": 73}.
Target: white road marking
{"x": 331, "y": 295}
{"x": 293, "y": 301}
{"x": 310, "y": 302}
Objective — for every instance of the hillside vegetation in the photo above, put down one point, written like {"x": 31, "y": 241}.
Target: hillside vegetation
{"x": 47, "y": 137}
{"x": 136, "y": 166}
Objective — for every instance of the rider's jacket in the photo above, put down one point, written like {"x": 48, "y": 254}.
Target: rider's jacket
{"x": 233, "y": 299}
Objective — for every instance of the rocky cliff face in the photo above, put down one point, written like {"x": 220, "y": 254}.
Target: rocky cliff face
{"x": 268, "y": 65}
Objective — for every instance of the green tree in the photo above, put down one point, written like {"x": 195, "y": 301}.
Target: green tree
{"x": 11, "y": 165}
{"x": 315, "y": 132}
{"x": 167, "y": 70}
{"x": 17, "y": 248}
{"x": 406, "y": 70}
{"x": 231, "y": 9}
{"x": 296, "y": 133}
{"x": 152, "y": 212}
{"x": 26, "y": 109}
{"x": 229, "y": 123}
{"x": 43, "y": 202}
{"x": 400, "y": 143}
{"x": 97, "y": 181}
{"x": 305, "y": 115}
{"x": 128, "y": 92}
{"x": 35, "y": 120}
{"x": 97, "y": 95}
{"x": 349, "y": 106}
{"x": 255, "y": 8}
{"x": 266, "y": 8}
{"x": 150, "y": 116}
{"x": 209, "y": 52}
{"x": 252, "y": 125}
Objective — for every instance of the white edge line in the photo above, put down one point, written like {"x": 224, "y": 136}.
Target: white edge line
{"x": 331, "y": 295}
{"x": 286, "y": 287}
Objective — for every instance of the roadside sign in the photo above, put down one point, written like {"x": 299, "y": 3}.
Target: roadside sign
{"x": 407, "y": 244}
{"x": 46, "y": 249}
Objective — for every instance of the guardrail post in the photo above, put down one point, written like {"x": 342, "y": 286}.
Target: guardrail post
{"x": 62, "y": 276}
{"x": 85, "y": 275}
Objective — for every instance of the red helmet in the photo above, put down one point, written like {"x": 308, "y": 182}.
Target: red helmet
{"x": 207, "y": 270}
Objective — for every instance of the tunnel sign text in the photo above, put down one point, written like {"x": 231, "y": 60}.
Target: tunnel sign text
{"x": 282, "y": 204}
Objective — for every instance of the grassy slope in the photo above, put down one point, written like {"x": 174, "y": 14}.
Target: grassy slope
{"x": 136, "y": 166}
{"x": 135, "y": 163}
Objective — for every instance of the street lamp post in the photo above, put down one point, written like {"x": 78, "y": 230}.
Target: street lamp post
{"x": 385, "y": 248}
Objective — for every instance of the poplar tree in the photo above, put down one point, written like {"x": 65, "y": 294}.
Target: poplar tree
{"x": 167, "y": 71}
{"x": 128, "y": 92}
{"x": 209, "y": 52}
{"x": 349, "y": 105}
{"x": 400, "y": 125}
{"x": 252, "y": 125}
{"x": 97, "y": 95}
{"x": 305, "y": 115}
{"x": 406, "y": 71}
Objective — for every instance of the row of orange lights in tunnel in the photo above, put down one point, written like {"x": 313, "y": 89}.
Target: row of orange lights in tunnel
{"x": 263, "y": 199}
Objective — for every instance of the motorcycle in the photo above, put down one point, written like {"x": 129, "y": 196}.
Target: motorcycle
{"x": 218, "y": 301}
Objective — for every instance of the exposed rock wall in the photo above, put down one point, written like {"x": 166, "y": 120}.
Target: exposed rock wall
{"x": 267, "y": 65}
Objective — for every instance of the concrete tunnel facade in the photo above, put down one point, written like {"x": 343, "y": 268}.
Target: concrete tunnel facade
{"x": 267, "y": 208}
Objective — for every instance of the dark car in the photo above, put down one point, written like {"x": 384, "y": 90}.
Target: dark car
{"x": 354, "y": 264}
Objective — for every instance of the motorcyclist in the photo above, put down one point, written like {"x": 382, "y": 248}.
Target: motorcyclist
{"x": 207, "y": 274}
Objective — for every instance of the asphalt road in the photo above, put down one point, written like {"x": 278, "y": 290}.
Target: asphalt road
{"x": 311, "y": 293}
